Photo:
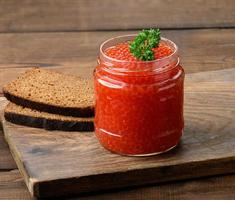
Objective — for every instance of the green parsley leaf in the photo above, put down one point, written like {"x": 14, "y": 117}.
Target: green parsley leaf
{"x": 143, "y": 44}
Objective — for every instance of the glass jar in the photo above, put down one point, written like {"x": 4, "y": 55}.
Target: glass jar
{"x": 138, "y": 104}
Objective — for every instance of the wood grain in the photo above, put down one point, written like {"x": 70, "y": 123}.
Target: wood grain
{"x": 67, "y": 15}
{"x": 76, "y": 53}
{"x": 13, "y": 187}
{"x": 6, "y": 160}
{"x": 207, "y": 148}
{"x": 203, "y": 49}
{"x": 219, "y": 188}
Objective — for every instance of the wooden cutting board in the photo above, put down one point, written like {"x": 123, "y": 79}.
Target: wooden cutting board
{"x": 59, "y": 163}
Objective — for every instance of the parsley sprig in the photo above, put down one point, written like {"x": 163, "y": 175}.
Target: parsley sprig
{"x": 143, "y": 44}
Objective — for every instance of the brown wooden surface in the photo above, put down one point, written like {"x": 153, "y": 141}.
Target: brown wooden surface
{"x": 6, "y": 160}
{"x": 70, "y": 15}
{"x": 207, "y": 147}
{"x": 206, "y": 49}
{"x": 12, "y": 187}
{"x": 201, "y": 50}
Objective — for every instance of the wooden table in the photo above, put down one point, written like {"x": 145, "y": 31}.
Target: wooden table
{"x": 65, "y": 35}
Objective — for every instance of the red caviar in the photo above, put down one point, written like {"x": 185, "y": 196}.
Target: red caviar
{"x": 121, "y": 52}
{"x": 139, "y": 104}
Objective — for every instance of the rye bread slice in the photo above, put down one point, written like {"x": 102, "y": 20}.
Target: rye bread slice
{"x": 52, "y": 92}
{"x": 34, "y": 118}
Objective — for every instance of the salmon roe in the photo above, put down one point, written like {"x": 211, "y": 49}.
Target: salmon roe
{"x": 140, "y": 112}
{"x": 121, "y": 52}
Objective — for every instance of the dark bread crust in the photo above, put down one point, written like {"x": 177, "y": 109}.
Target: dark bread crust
{"x": 52, "y": 92}
{"x": 49, "y": 124}
{"x": 75, "y": 112}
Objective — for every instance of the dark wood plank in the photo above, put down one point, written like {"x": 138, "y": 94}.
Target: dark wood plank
{"x": 226, "y": 74}
{"x": 216, "y": 188}
{"x": 207, "y": 148}
{"x": 201, "y": 50}
{"x": 13, "y": 187}
{"x": 63, "y": 15}
{"x": 6, "y": 160}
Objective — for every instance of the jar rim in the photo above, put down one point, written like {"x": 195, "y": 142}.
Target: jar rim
{"x": 102, "y": 49}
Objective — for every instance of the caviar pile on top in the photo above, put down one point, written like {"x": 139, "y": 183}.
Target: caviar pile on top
{"x": 145, "y": 47}
{"x": 121, "y": 52}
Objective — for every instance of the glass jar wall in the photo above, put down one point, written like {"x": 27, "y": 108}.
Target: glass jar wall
{"x": 139, "y": 104}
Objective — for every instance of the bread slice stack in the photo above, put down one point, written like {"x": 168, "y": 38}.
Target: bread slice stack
{"x": 51, "y": 100}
